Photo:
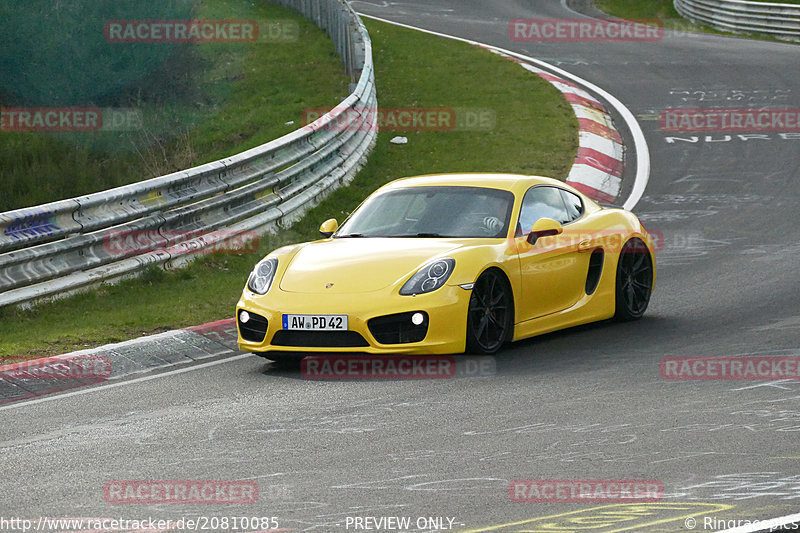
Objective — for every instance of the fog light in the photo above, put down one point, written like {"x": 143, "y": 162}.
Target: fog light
{"x": 417, "y": 319}
{"x": 244, "y": 317}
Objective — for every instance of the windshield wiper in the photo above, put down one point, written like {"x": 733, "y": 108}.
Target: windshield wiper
{"x": 351, "y": 236}
{"x": 422, "y": 235}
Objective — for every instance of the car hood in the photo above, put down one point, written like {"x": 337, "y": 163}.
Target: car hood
{"x": 357, "y": 265}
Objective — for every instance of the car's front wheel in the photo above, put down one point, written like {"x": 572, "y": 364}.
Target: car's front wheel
{"x": 490, "y": 314}
{"x": 634, "y": 280}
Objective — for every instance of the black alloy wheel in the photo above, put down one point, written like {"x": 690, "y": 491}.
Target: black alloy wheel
{"x": 490, "y": 314}
{"x": 634, "y": 280}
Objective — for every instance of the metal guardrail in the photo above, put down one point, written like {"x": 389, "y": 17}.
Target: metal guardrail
{"x": 740, "y": 16}
{"x": 62, "y": 246}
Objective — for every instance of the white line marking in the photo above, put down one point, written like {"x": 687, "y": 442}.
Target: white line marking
{"x": 640, "y": 143}
{"x": 766, "y": 525}
{"x": 79, "y": 392}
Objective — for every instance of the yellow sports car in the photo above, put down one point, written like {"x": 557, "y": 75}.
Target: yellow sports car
{"x": 449, "y": 263}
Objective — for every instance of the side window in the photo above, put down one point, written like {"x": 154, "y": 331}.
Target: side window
{"x": 541, "y": 202}
{"x": 574, "y": 205}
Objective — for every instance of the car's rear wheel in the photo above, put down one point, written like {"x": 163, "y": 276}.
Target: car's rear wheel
{"x": 634, "y": 280}
{"x": 490, "y": 314}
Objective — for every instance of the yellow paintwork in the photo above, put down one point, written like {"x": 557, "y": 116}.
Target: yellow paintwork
{"x": 329, "y": 227}
{"x": 547, "y": 279}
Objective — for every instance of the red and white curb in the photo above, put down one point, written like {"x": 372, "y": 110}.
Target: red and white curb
{"x": 597, "y": 169}
{"x": 25, "y": 379}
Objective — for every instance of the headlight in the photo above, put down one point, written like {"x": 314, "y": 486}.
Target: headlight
{"x": 430, "y": 277}
{"x": 262, "y": 275}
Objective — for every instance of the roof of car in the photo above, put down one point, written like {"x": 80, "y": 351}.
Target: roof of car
{"x": 509, "y": 182}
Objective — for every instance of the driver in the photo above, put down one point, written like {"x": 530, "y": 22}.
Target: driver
{"x": 495, "y": 221}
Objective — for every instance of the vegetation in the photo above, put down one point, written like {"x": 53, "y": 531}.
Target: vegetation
{"x": 182, "y": 104}
{"x": 532, "y": 130}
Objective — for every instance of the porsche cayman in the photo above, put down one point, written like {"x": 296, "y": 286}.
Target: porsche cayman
{"x": 444, "y": 264}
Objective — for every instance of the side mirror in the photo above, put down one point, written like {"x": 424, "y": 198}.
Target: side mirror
{"x": 544, "y": 227}
{"x": 328, "y": 227}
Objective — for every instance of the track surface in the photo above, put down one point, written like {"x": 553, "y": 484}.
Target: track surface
{"x": 586, "y": 403}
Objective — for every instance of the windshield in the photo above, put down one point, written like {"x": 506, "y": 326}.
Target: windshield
{"x": 432, "y": 212}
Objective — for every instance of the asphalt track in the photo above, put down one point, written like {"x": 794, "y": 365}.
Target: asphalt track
{"x": 588, "y": 403}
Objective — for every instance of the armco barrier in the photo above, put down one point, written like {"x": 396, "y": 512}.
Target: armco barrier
{"x": 740, "y": 16}
{"x": 62, "y": 246}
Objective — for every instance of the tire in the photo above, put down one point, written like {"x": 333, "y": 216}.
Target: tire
{"x": 634, "y": 281}
{"x": 490, "y": 314}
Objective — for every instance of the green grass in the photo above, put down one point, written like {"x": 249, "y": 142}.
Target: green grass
{"x": 647, "y": 10}
{"x": 202, "y": 103}
{"x": 664, "y": 11}
{"x": 535, "y": 133}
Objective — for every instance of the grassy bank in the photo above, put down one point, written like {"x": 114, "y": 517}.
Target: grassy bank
{"x": 190, "y": 104}
{"x": 663, "y": 10}
{"x": 532, "y": 130}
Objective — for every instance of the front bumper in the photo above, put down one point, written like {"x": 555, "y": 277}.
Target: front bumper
{"x": 446, "y": 310}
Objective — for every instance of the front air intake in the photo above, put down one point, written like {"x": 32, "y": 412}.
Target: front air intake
{"x": 401, "y": 328}
{"x": 255, "y": 329}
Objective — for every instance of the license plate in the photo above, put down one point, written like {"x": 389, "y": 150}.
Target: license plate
{"x": 315, "y": 322}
